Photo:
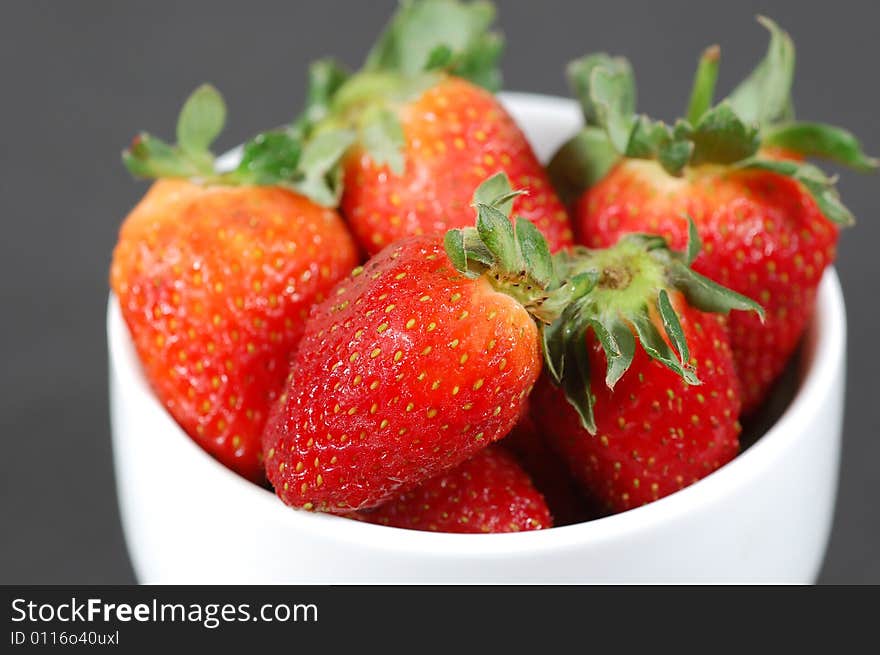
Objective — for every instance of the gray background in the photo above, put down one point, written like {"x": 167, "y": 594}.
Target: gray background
{"x": 80, "y": 78}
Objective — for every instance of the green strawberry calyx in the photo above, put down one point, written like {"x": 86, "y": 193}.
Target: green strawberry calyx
{"x": 513, "y": 256}
{"x": 281, "y": 157}
{"x": 735, "y": 132}
{"x": 424, "y": 41}
{"x": 629, "y": 303}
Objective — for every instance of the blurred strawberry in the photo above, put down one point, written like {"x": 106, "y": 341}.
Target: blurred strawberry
{"x": 487, "y": 493}
{"x": 215, "y": 275}
{"x": 429, "y": 130}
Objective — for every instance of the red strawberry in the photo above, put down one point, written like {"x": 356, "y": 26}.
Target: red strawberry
{"x": 415, "y": 363}
{"x": 455, "y": 134}
{"x": 548, "y": 471}
{"x": 215, "y": 282}
{"x": 487, "y": 493}
{"x": 768, "y": 220}
{"x": 645, "y": 426}
{"x": 428, "y": 133}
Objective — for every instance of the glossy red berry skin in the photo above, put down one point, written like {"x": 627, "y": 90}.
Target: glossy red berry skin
{"x": 406, "y": 370}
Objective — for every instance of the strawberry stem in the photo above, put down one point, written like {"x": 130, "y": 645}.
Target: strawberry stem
{"x": 704, "y": 84}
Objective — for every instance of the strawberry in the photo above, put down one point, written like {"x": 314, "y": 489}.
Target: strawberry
{"x": 445, "y": 160}
{"x": 768, "y": 220}
{"x": 487, "y": 493}
{"x": 647, "y": 425}
{"x": 428, "y": 133}
{"x": 420, "y": 359}
{"x": 214, "y": 281}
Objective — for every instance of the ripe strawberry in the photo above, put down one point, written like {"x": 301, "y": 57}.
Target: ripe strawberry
{"x": 428, "y": 132}
{"x": 548, "y": 471}
{"x": 415, "y": 363}
{"x": 455, "y": 134}
{"x": 487, "y": 493}
{"x": 646, "y": 425}
{"x": 769, "y": 222}
{"x": 215, "y": 281}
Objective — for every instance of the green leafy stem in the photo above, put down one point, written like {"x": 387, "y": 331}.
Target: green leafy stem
{"x": 278, "y": 158}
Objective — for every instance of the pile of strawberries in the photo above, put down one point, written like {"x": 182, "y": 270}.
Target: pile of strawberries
{"x": 391, "y": 311}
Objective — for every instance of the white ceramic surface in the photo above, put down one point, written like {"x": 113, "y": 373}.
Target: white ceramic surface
{"x": 765, "y": 517}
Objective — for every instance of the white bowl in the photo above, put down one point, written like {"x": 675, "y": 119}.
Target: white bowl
{"x": 764, "y": 517}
